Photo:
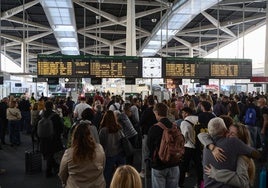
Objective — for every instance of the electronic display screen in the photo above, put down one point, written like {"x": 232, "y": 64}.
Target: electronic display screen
{"x": 185, "y": 68}
{"x": 231, "y": 69}
{"x": 115, "y": 67}
{"x": 89, "y": 66}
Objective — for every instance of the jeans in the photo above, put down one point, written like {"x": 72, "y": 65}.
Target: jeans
{"x": 253, "y": 130}
{"x": 166, "y": 178}
{"x": 14, "y": 132}
{"x": 112, "y": 163}
{"x": 145, "y": 152}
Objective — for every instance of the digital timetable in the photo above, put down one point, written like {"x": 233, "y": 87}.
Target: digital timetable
{"x": 142, "y": 67}
{"x": 88, "y": 66}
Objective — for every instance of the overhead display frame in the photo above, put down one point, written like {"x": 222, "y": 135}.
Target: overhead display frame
{"x": 63, "y": 66}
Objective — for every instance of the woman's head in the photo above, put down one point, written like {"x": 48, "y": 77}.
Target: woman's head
{"x": 35, "y": 106}
{"x": 227, "y": 120}
{"x": 126, "y": 177}
{"x": 240, "y": 131}
{"x": 13, "y": 104}
{"x": 82, "y": 143}
{"x": 110, "y": 122}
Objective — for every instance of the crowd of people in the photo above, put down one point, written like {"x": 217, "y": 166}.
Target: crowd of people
{"x": 90, "y": 130}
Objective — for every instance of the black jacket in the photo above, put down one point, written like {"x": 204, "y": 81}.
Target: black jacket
{"x": 50, "y": 146}
{"x": 147, "y": 120}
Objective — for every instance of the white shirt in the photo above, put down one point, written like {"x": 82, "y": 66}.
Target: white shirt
{"x": 188, "y": 131}
{"x": 80, "y": 108}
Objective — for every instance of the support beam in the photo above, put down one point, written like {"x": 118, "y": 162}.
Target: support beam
{"x": 131, "y": 30}
{"x": 16, "y": 10}
{"x": 216, "y": 23}
{"x": 35, "y": 37}
{"x": 224, "y": 24}
{"x": 238, "y": 8}
{"x": 124, "y": 2}
{"x": 28, "y": 23}
{"x": 8, "y": 28}
{"x": 10, "y": 37}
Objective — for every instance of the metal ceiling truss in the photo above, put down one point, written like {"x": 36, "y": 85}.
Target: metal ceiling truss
{"x": 197, "y": 37}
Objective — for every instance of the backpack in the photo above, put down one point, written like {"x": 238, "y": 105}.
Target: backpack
{"x": 250, "y": 117}
{"x": 171, "y": 147}
{"x": 45, "y": 128}
{"x": 198, "y": 128}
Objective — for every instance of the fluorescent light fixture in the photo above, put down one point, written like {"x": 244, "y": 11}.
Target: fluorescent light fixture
{"x": 147, "y": 50}
{"x": 174, "y": 20}
{"x": 60, "y": 14}
{"x": 67, "y": 40}
{"x": 69, "y": 48}
{"x": 64, "y": 28}
{"x": 57, "y": 3}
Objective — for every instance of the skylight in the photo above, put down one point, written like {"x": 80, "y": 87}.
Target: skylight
{"x": 61, "y": 18}
{"x": 175, "y": 19}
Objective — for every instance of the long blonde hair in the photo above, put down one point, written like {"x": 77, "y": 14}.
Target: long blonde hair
{"x": 244, "y": 135}
{"x": 126, "y": 177}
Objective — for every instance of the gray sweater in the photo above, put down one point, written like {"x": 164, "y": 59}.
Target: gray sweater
{"x": 110, "y": 142}
{"x": 233, "y": 148}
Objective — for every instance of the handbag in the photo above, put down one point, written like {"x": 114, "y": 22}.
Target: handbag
{"x": 126, "y": 145}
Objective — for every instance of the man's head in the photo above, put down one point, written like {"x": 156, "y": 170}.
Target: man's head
{"x": 205, "y": 106}
{"x": 160, "y": 110}
{"x": 216, "y": 127}
{"x": 151, "y": 100}
{"x": 186, "y": 111}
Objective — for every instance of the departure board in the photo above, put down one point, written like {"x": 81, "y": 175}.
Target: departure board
{"x": 231, "y": 69}
{"x": 81, "y": 68}
{"x": 89, "y": 66}
{"x": 185, "y": 68}
{"x": 63, "y": 66}
{"x": 55, "y": 68}
{"x": 107, "y": 67}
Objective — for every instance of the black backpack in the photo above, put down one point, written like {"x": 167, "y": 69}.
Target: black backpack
{"x": 45, "y": 128}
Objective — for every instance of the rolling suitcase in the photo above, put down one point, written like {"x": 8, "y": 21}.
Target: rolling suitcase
{"x": 33, "y": 161}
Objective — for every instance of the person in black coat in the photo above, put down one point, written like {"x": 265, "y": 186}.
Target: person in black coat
{"x": 3, "y": 119}
{"x": 49, "y": 146}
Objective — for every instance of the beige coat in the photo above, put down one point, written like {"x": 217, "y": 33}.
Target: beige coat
{"x": 88, "y": 174}
{"x": 13, "y": 114}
